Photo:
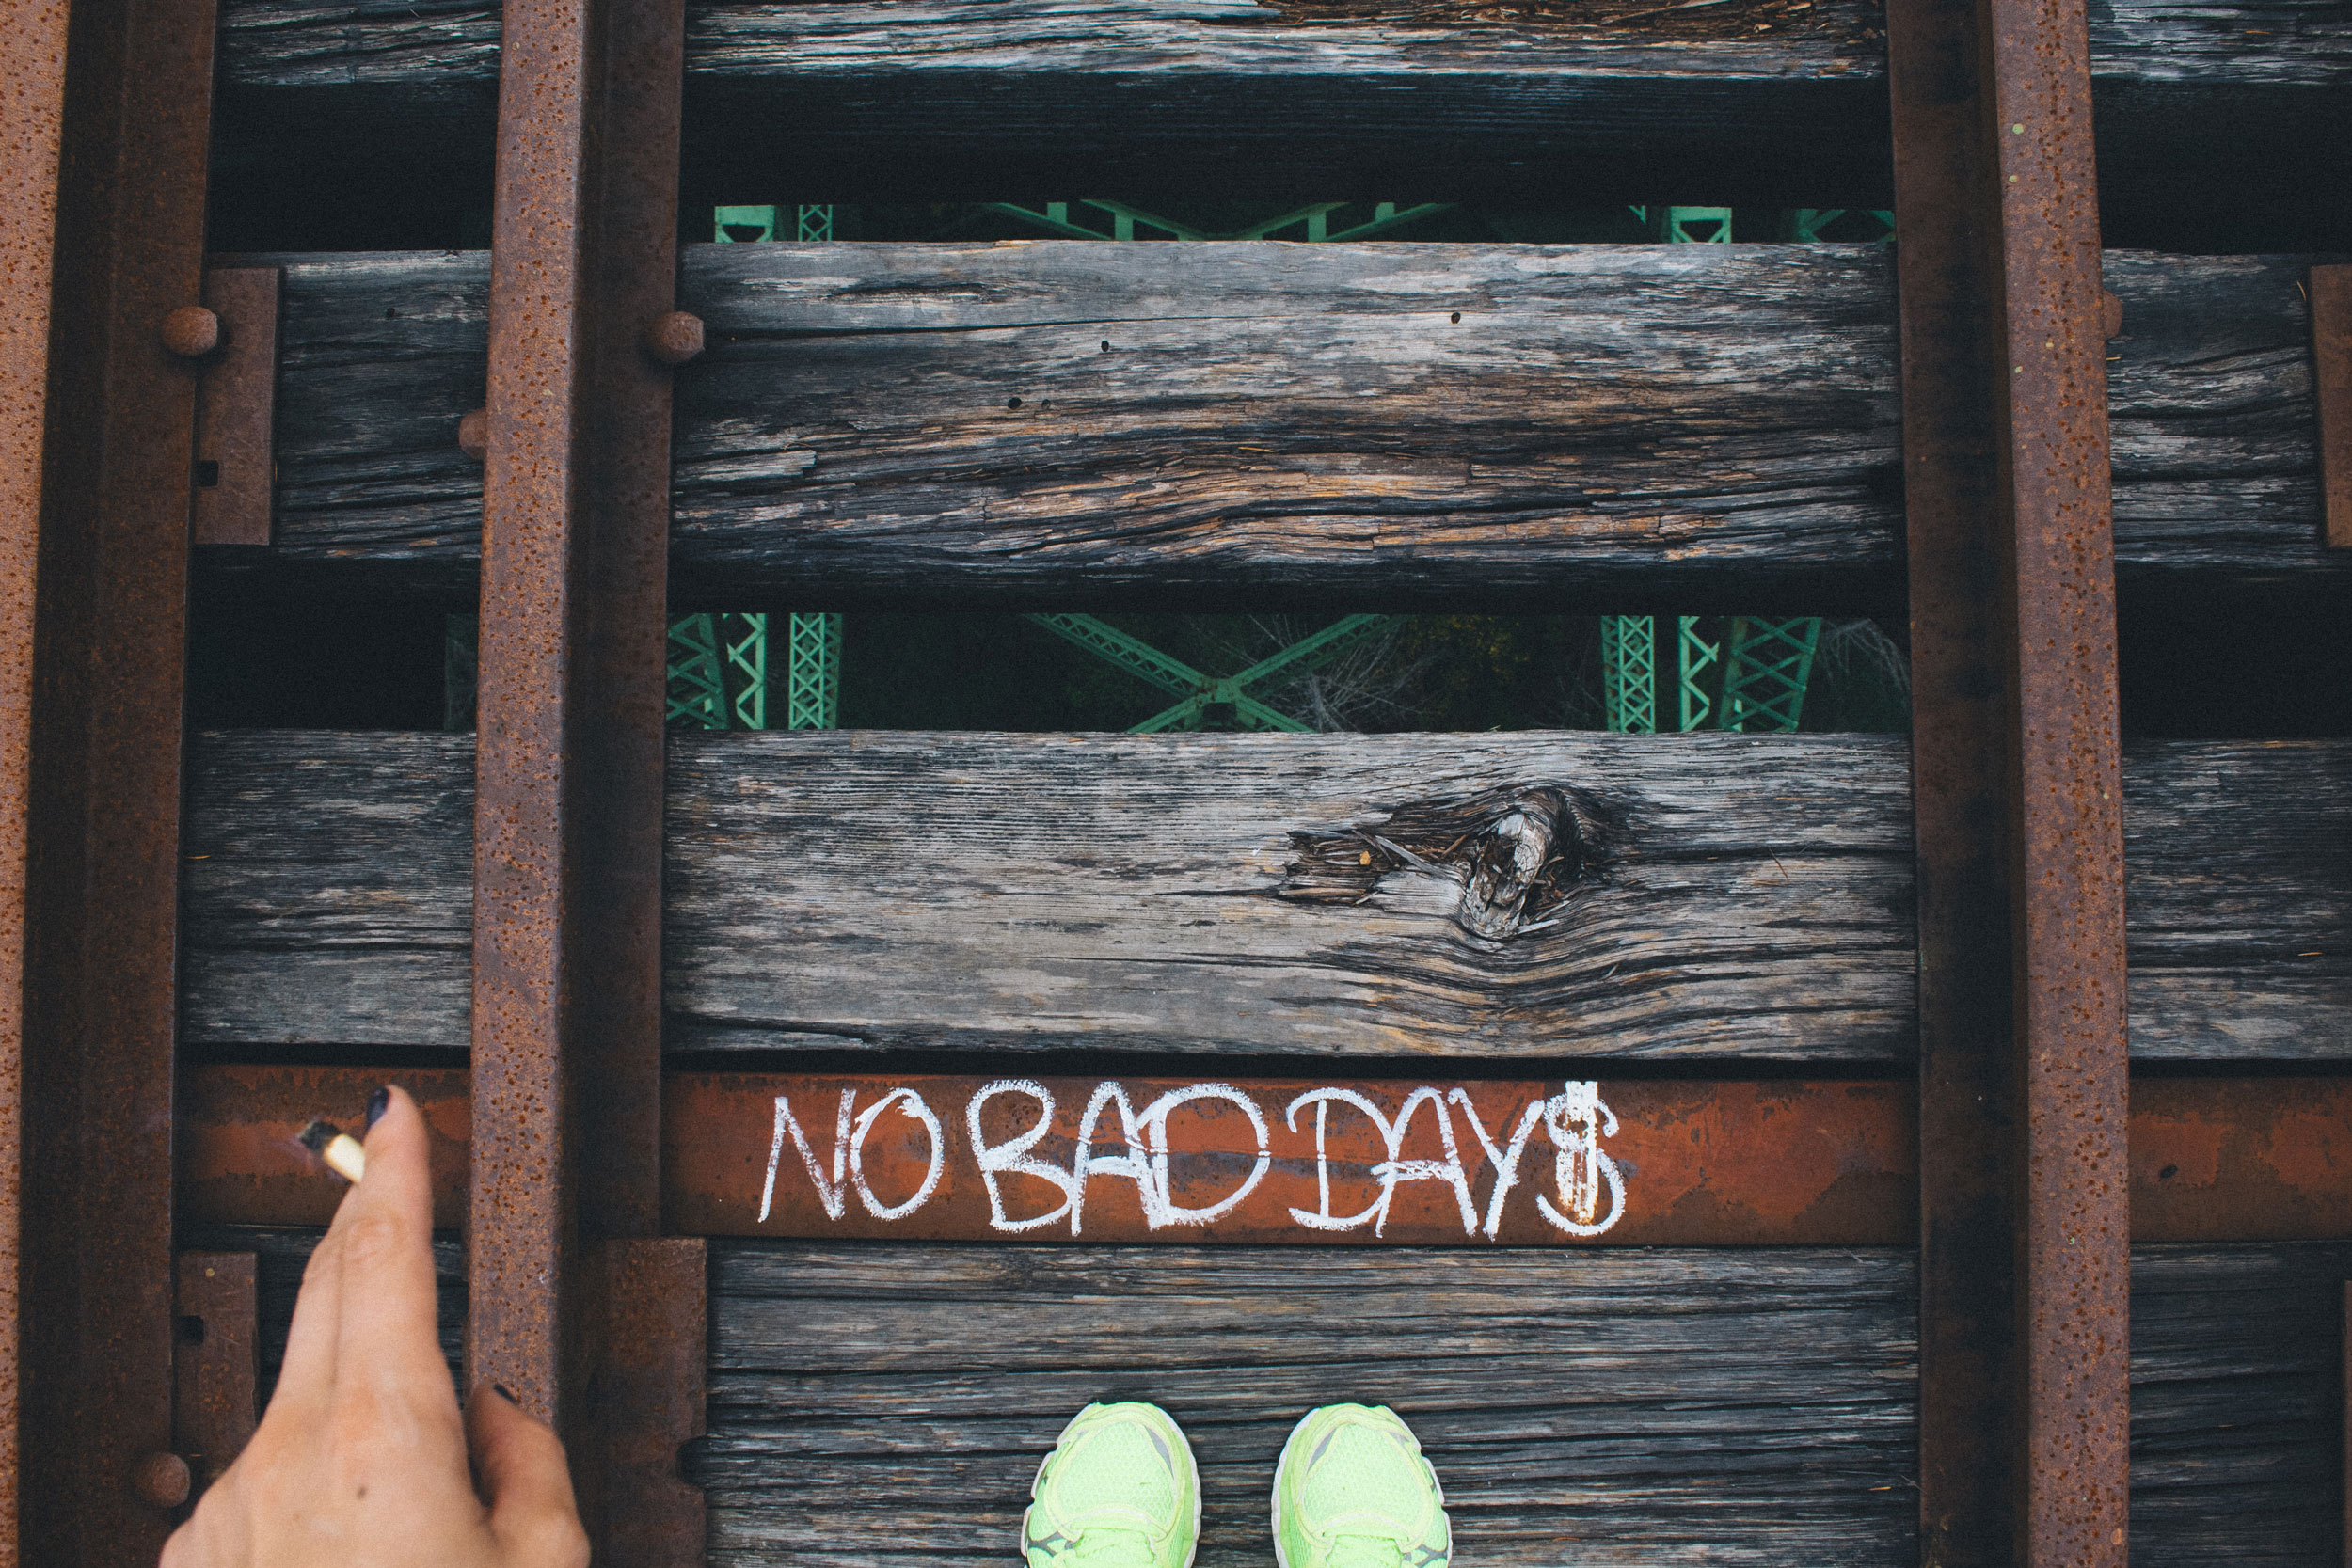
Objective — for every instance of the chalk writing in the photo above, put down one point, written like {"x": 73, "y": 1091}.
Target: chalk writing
{"x": 1229, "y": 1145}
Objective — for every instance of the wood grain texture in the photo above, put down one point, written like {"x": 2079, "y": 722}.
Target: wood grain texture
{"x": 2237, "y": 1404}
{"x": 2238, "y": 898}
{"x": 946, "y": 98}
{"x": 333, "y": 880}
{"x": 886, "y": 1406}
{"x": 904, "y": 423}
{"x": 1734, "y": 895}
{"x": 882, "y": 1406}
{"x": 889, "y": 1405}
{"x": 1742, "y": 895}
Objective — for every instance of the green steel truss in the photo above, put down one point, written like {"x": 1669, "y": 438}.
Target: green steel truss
{"x": 1695, "y": 655}
{"x": 742, "y": 225}
{"x": 719, "y": 672}
{"x": 813, "y": 677}
{"x": 1764, "y": 682}
{"x": 1687, "y": 225}
{"x": 1628, "y": 664}
{"x": 1314, "y": 221}
{"x": 1199, "y": 695}
{"x": 1805, "y": 224}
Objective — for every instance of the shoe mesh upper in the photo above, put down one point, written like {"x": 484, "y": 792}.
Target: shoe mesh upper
{"x": 1115, "y": 1467}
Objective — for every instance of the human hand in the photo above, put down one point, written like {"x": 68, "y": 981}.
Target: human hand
{"x": 362, "y": 1460}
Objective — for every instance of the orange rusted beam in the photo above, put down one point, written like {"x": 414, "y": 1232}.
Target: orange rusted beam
{"x": 239, "y": 1162}
{"x": 1700, "y": 1163}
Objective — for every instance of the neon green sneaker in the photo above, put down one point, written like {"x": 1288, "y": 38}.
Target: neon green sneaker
{"x": 1352, "y": 1491}
{"x": 1119, "y": 1490}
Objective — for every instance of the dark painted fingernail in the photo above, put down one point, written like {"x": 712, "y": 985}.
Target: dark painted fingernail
{"x": 379, "y": 1102}
{"x": 502, "y": 1391}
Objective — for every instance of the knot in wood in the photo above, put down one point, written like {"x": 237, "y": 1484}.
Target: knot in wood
{"x": 191, "y": 332}
{"x": 1509, "y": 858}
{"x": 1516, "y": 854}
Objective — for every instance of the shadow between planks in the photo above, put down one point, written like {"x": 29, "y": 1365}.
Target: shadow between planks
{"x": 885, "y": 1406}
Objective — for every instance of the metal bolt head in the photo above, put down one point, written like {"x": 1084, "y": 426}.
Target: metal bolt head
{"x": 2111, "y": 313}
{"x": 675, "y": 336}
{"x": 161, "y": 1479}
{"x": 473, "y": 433}
{"x": 191, "y": 332}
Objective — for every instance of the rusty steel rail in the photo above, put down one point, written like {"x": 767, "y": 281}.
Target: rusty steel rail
{"x": 104, "y": 817}
{"x": 563, "y": 1203}
{"x": 575, "y": 535}
{"x": 2025, "y": 1279}
{"x": 32, "y": 111}
{"x": 1734, "y": 1161}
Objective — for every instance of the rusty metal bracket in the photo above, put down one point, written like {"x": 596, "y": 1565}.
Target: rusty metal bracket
{"x": 216, "y": 1370}
{"x": 2331, "y": 377}
{"x": 236, "y": 410}
{"x": 647, "y": 1338}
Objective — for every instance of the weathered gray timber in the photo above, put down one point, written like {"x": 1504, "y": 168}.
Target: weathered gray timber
{"x": 887, "y": 1405}
{"x": 1692, "y": 895}
{"x": 332, "y": 875}
{"x": 379, "y": 355}
{"x": 1722, "y": 1405}
{"x": 2238, "y": 898}
{"x": 2237, "y": 1404}
{"x": 954, "y": 99}
{"x": 1066, "y": 422}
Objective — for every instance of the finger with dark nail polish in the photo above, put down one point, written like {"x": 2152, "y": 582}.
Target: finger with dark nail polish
{"x": 377, "y": 1103}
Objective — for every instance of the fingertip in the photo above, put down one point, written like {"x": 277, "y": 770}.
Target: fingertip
{"x": 519, "y": 1469}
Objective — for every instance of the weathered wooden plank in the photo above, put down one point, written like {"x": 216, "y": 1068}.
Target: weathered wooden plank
{"x": 948, "y": 98}
{"x": 1750, "y": 1407}
{"x": 1732, "y": 895}
{"x": 886, "y": 1405}
{"x": 1546, "y": 425}
{"x": 2237, "y": 1404}
{"x": 2238, "y": 898}
{"x": 333, "y": 880}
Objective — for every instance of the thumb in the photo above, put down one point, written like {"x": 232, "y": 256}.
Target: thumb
{"x": 518, "y": 1465}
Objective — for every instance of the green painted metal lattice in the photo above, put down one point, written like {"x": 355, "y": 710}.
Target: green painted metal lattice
{"x": 1694, "y": 655}
{"x": 813, "y": 679}
{"x": 1313, "y": 221}
{"x": 1629, "y": 666}
{"x": 1764, "y": 680}
{"x": 1202, "y": 699}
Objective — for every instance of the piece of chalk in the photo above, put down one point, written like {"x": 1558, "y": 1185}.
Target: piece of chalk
{"x": 343, "y": 1152}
